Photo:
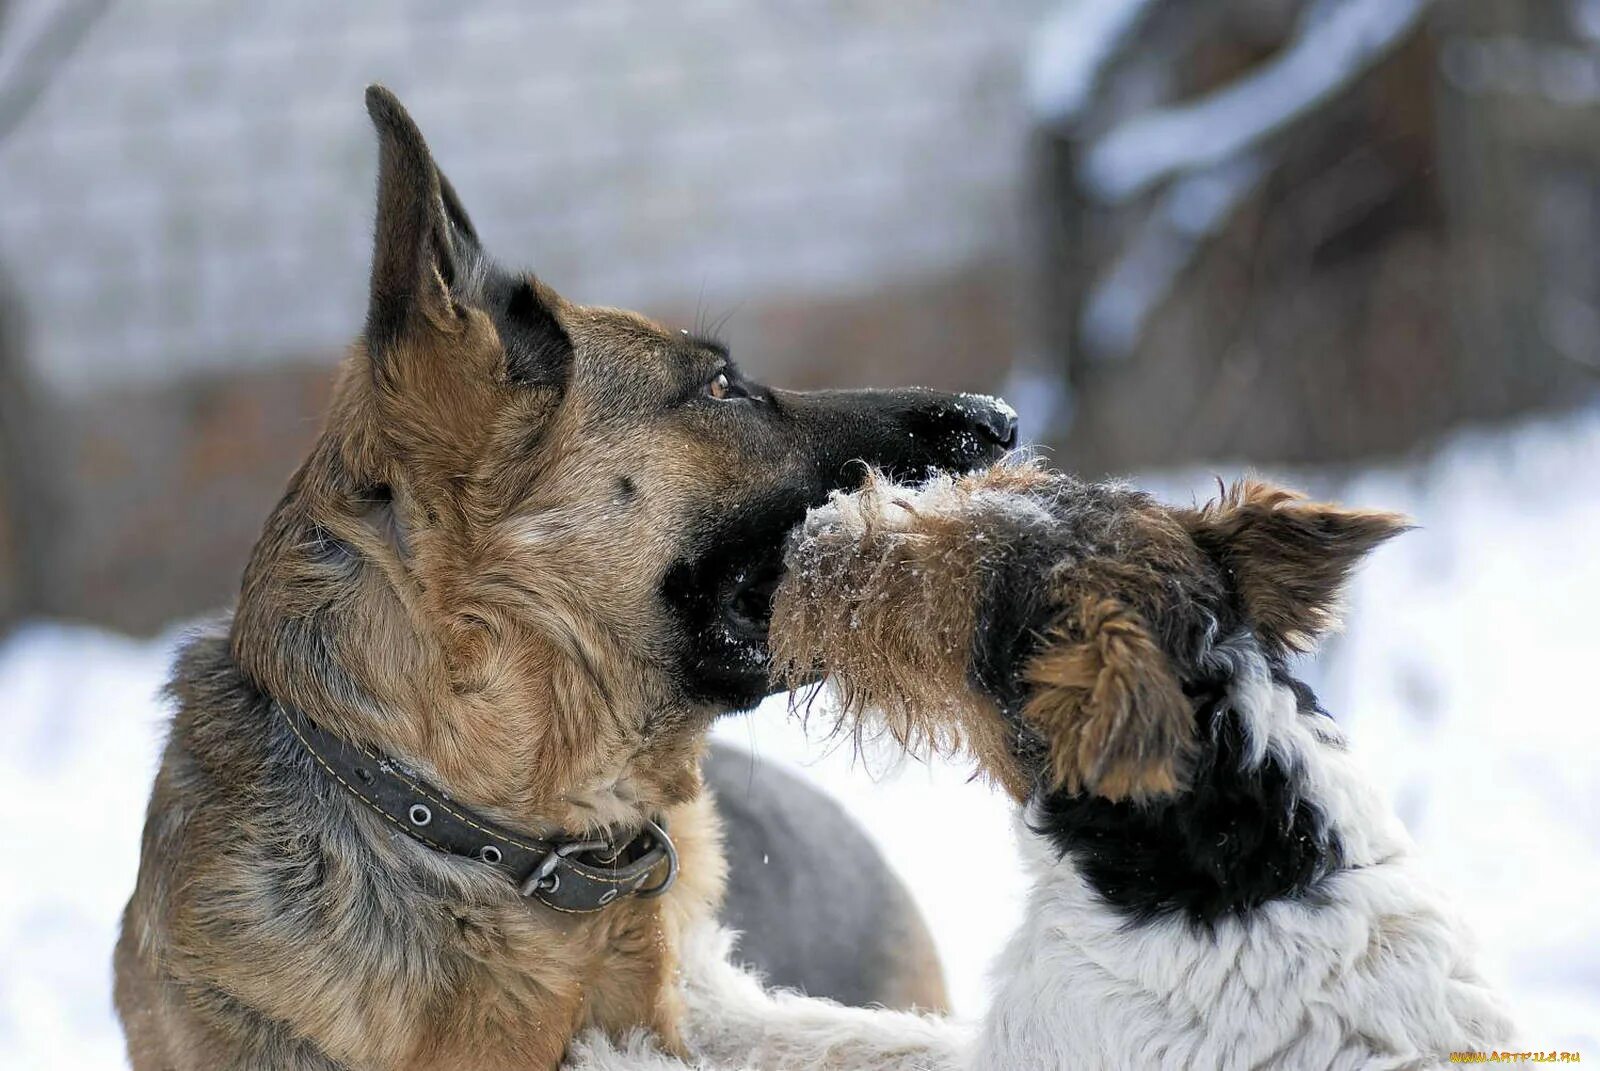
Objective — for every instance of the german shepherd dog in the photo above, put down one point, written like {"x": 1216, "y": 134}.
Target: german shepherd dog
{"x": 527, "y": 563}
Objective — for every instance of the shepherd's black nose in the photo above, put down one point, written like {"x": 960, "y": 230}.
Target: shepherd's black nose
{"x": 995, "y": 420}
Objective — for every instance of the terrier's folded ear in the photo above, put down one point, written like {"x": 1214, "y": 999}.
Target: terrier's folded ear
{"x": 1288, "y": 558}
{"x": 1106, "y": 702}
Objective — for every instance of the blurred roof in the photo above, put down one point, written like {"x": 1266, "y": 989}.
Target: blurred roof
{"x": 193, "y": 188}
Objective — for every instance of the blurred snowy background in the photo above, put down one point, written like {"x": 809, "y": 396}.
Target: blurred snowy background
{"x": 1351, "y": 243}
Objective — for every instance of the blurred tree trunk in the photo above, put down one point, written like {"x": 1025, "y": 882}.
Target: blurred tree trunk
{"x": 24, "y": 495}
{"x": 27, "y": 492}
{"x": 1519, "y": 130}
{"x": 1395, "y": 259}
{"x": 11, "y": 599}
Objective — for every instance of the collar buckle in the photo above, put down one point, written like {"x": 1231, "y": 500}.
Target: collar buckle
{"x": 544, "y": 878}
{"x": 665, "y": 842}
{"x": 544, "y": 881}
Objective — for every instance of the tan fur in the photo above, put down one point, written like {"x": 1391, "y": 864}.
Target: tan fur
{"x": 488, "y": 608}
{"x": 480, "y": 655}
{"x": 1290, "y": 555}
{"x": 1116, "y": 720}
{"x": 473, "y": 978}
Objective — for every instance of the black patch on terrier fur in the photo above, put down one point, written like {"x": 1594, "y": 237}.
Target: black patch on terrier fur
{"x": 1237, "y": 839}
{"x": 1014, "y": 616}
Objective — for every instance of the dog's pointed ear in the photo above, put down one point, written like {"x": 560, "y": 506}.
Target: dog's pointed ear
{"x": 463, "y": 235}
{"x": 1106, "y": 702}
{"x": 422, "y": 232}
{"x": 1287, "y": 557}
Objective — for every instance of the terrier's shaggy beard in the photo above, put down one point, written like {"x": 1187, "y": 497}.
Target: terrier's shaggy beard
{"x": 882, "y": 594}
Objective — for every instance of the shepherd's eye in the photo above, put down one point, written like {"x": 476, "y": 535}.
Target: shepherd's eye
{"x": 719, "y": 388}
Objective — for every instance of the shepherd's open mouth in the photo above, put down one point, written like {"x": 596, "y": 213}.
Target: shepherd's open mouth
{"x": 747, "y": 597}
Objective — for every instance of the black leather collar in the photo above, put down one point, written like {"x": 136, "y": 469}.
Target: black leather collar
{"x": 576, "y": 875}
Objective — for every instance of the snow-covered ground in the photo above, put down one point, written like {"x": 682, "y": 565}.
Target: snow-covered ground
{"x": 1461, "y": 677}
